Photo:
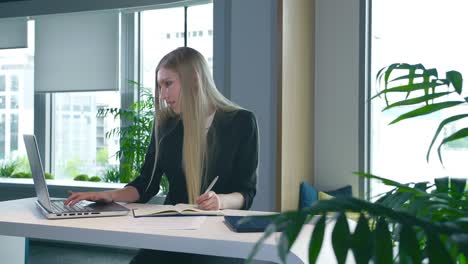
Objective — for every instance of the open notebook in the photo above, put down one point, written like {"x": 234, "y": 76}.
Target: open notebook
{"x": 174, "y": 210}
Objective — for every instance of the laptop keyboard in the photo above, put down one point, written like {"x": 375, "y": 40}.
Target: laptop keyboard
{"x": 59, "y": 207}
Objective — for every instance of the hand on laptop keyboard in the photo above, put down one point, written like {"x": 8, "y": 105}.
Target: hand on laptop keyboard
{"x": 76, "y": 197}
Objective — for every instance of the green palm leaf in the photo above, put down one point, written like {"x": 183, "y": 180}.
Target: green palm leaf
{"x": 425, "y": 110}
{"x": 417, "y": 100}
{"x": 362, "y": 245}
{"x": 383, "y": 242}
{"x": 409, "y": 246}
{"x": 439, "y": 129}
{"x": 316, "y": 239}
{"x": 429, "y": 72}
{"x": 268, "y": 232}
{"x": 436, "y": 250}
{"x": 289, "y": 235}
{"x": 462, "y": 133}
{"x": 340, "y": 238}
{"x": 409, "y": 88}
{"x": 461, "y": 240}
{"x": 456, "y": 79}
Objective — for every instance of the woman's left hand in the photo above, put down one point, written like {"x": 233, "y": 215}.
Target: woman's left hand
{"x": 209, "y": 201}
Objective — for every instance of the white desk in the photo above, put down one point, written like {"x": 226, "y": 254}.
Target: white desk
{"x": 21, "y": 218}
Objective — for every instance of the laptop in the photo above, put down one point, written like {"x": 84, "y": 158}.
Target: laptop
{"x": 54, "y": 208}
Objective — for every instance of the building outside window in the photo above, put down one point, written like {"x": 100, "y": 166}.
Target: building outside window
{"x": 155, "y": 42}
{"x": 16, "y": 101}
{"x": 402, "y": 31}
{"x": 14, "y": 140}
{"x": 14, "y": 83}
{"x": 200, "y": 21}
{"x": 155, "y": 26}
{"x": 79, "y": 136}
{"x": 2, "y": 83}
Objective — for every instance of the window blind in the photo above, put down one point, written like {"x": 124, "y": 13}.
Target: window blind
{"x": 77, "y": 52}
{"x": 13, "y": 33}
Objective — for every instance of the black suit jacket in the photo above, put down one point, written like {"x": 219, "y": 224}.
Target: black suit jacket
{"x": 232, "y": 154}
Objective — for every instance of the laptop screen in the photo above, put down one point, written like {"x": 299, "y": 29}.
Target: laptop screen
{"x": 37, "y": 170}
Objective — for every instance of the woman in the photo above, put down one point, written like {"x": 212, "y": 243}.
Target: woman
{"x": 200, "y": 135}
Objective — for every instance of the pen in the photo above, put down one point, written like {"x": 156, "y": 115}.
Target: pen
{"x": 211, "y": 184}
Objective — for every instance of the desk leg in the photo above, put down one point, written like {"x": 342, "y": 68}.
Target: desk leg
{"x": 14, "y": 250}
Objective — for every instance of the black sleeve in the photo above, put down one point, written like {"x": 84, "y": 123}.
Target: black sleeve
{"x": 146, "y": 176}
{"x": 246, "y": 160}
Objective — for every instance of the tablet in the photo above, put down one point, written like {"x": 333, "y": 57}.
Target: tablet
{"x": 255, "y": 225}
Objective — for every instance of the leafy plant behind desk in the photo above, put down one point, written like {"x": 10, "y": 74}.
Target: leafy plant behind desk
{"x": 424, "y": 88}
{"x": 135, "y": 136}
{"x": 425, "y": 222}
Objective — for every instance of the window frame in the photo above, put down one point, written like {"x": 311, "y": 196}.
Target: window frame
{"x": 130, "y": 69}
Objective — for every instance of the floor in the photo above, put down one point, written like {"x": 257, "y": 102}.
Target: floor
{"x": 49, "y": 252}
{"x": 46, "y": 252}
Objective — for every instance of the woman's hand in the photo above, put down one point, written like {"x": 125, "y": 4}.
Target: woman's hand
{"x": 209, "y": 201}
{"x": 76, "y": 197}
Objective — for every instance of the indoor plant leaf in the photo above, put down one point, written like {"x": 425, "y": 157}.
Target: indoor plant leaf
{"x": 409, "y": 246}
{"x": 436, "y": 251}
{"x": 457, "y": 187}
{"x": 268, "y": 232}
{"x": 425, "y": 110}
{"x": 361, "y": 241}
{"x": 462, "y": 133}
{"x": 461, "y": 240}
{"x": 383, "y": 242}
{"x": 290, "y": 233}
{"x": 456, "y": 79}
{"x": 417, "y": 100}
{"x": 409, "y": 88}
{"x": 340, "y": 238}
{"x": 439, "y": 129}
{"x": 317, "y": 239}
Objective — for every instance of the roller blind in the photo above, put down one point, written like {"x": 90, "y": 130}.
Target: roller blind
{"x": 13, "y": 33}
{"x": 77, "y": 52}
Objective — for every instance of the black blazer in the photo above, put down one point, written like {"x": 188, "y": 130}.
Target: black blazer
{"x": 232, "y": 154}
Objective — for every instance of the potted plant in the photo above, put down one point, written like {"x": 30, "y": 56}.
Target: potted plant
{"x": 425, "y": 222}
{"x": 134, "y": 137}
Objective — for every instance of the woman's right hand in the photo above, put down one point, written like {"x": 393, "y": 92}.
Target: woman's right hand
{"x": 75, "y": 197}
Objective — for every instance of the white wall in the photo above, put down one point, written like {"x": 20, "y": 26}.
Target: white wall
{"x": 254, "y": 58}
{"x": 337, "y": 102}
{"x": 245, "y": 70}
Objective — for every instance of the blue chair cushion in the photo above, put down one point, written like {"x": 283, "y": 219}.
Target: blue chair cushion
{"x": 346, "y": 191}
{"x": 308, "y": 194}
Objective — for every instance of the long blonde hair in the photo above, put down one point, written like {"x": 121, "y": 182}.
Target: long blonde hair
{"x": 198, "y": 98}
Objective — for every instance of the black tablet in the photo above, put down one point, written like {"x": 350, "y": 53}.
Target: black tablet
{"x": 255, "y": 225}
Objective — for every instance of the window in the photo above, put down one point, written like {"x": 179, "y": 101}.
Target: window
{"x": 155, "y": 26}
{"x": 398, "y": 151}
{"x": 2, "y": 83}
{"x": 16, "y": 100}
{"x": 156, "y": 41}
{"x": 78, "y": 134}
{"x": 2, "y": 136}
{"x": 199, "y": 20}
{"x": 14, "y": 83}
{"x": 14, "y": 132}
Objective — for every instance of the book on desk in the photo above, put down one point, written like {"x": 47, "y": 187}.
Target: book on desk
{"x": 175, "y": 210}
